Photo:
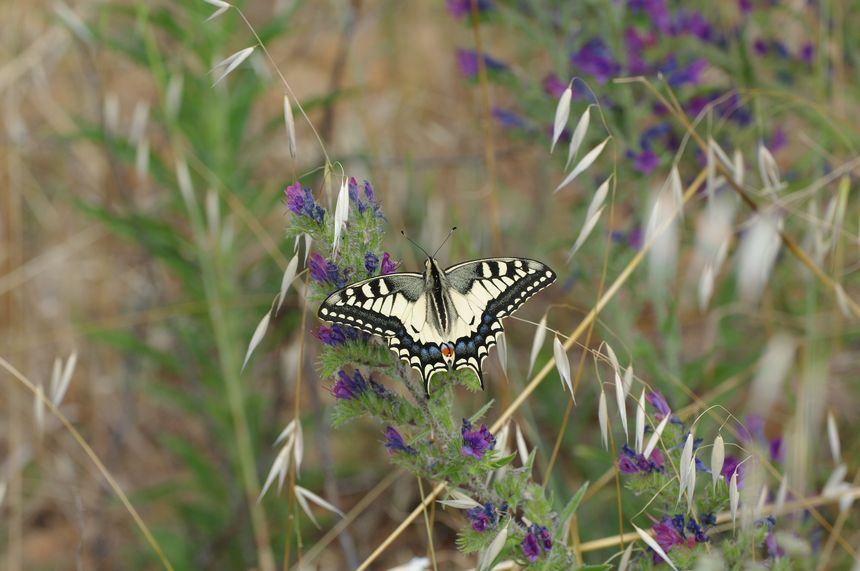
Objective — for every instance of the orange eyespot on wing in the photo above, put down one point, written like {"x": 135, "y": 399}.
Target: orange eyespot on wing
{"x": 447, "y": 350}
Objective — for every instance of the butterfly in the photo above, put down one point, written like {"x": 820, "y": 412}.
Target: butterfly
{"x": 442, "y": 319}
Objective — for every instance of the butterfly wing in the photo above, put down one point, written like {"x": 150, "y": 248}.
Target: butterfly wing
{"x": 483, "y": 292}
{"x": 395, "y": 307}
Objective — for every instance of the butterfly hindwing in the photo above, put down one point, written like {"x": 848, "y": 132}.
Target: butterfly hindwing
{"x": 490, "y": 289}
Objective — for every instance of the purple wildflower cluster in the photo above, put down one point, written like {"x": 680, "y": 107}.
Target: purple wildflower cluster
{"x": 371, "y": 264}
{"x": 327, "y": 272}
{"x": 334, "y": 334}
{"x": 629, "y": 462}
{"x": 463, "y": 8}
{"x": 395, "y": 443}
{"x": 483, "y": 517}
{"x": 677, "y": 530}
{"x": 476, "y": 442}
{"x": 366, "y": 200}
{"x": 301, "y": 201}
{"x": 347, "y": 388}
{"x": 537, "y": 540}
{"x": 468, "y": 60}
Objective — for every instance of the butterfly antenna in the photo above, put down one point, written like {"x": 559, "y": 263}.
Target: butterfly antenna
{"x": 414, "y": 243}
{"x": 445, "y": 240}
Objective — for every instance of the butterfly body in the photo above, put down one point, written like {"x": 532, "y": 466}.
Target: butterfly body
{"x": 442, "y": 319}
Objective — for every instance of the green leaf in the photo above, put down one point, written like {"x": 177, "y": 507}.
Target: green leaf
{"x": 504, "y": 461}
{"x": 482, "y": 411}
{"x": 567, "y": 512}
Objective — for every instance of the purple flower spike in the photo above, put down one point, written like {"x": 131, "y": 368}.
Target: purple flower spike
{"x": 295, "y": 198}
{"x": 807, "y": 52}
{"x": 553, "y": 86}
{"x": 394, "y": 442}
{"x": 659, "y": 402}
{"x": 476, "y": 442}
{"x": 646, "y": 161}
{"x": 346, "y": 387}
{"x": 463, "y": 8}
{"x": 371, "y": 262}
{"x": 483, "y": 517}
{"x": 530, "y": 547}
{"x": 368, "y": 191}
{"x": 666, "y": 534}
{"x": 387, "y": 266}
{"x": 468, "y": 62}
{"x": 594, "y": 58}
{"x": 508, "y": 119}
{"x": 545, "y": 538}
{"x": 318, "y": 268}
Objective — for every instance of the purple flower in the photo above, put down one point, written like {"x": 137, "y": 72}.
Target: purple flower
{"x": 773, "y": 549}
{"x": 530, "y": 546}
{"x": 508, "y": 119}
{"x": 594, "y": 58}
{"x": 730, "y": 464}
{"x": 629, "y": 462}
{"x": 778, "y": 139}
{"x": 371, "y": 262}
{"x": 318, "y": 268}
{"x": 387, "y": 266}
{"x": 659, "y": 402}
{"x": 656, "y": 11}
{"x": 335, "y": 335}
{"x": 760, "y": 47}
{"x": 394, "y": 442}
{"x": 694, "y": 24}
{"x": 687, "y": 75}
{"x": 545, "y": 538}
{"x": 301, "y": 201}
{"x": 553, "y": 86}
{"x": 626, "y": 465}
{"x": 483, "y": 517}
{"x": 476, "y": 442}
{"x": 346, "y": 387}
{"x": 645, "y": 162}
{"x": 745, "y": 6}
{"x": 807, "y": 51}
{"x": 468, "y": 62}
{"x": 666, "y": 534}
{"x": 463, "y": 8}
{"x": 368, "y": 191}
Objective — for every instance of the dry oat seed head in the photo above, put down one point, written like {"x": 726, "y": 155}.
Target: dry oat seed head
{"x": 706, "y": 287}
{"x": 459, "y": 500}
{"x": 537, "y": 343}
{"x": 583, "y": 165}
{"x": 662, "y": 234}
{"x": 226, "y": 66}
{"x": 578, "y": 136}
{"x": 655, "y": 437}
{"x": 718, "y": 457}
{"x": 686, "y": 455}
{"x": 691, "y": 482}
{"x": 562, "y": 363}
{"x": 221, "y": 5}
{"x": 502, "y": 352}
{"x": 259, "y": 333}
{"x": 58, "y": 390}
{"x": 39, "y": 409}
{"x": 279, "y": 467}
{"x": 603, "y": 419}
{"x": 833, "y": 438}
{"x": 584, "y": 233}
{"x": 173, "y": 94}
{"x": 734, "y": 495}
{"x": 303, "y": 494}
{"x": 562, "y": 112}
{"x": 772, "y": 369}
{"x": 652, "y": 543}
{"x": 522, "y": 448}
{"x": 624, "y": 562}
{"x": 640, "y": 424}
{"x": 757, "y": 255}
{"x": 341, "y": 214}
{"x": 414, "y": 564}
{"x": 486, "y": 558}
{"x": 290, "y": 124}
{"x": 622, "y": 405}
{"x": 287, "y": 279}
{"x": 781, "y": 494}
{"x": 74, "y": 22}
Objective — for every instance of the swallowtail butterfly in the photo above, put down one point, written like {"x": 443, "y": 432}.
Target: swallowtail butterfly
{"x": 440, "y": 320}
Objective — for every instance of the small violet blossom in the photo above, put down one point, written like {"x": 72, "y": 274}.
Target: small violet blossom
{"x": 301, "y": 201}
{"x": 387, "y": 266}
{"x": 660, "y": 404}
{"x": 323, "y": 271}
{"x": 335, "y": 334}
{"x": 468, "y": 62}
{"x": 394, "y": 442}
{"x": 537, "y": 539}
{"x": 476, "y": 442}
{"x": 463, "y": 8}
{"x": 629, "y": 462}
{"x": 483, "y": 517}
{"x": 371, "y": 263}
{"x": 346, "y": 387}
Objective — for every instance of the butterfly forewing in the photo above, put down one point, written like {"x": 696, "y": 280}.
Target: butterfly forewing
{"x": 426, "y": 318}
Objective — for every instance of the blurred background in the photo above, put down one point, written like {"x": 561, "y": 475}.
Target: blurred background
{"x": 142, "y": 220}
